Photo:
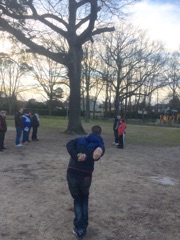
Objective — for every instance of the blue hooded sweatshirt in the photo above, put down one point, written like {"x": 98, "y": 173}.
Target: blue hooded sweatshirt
{"x": 85, "y": 145}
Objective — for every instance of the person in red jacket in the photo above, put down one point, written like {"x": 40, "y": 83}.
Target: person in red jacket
{"x": 121, "y": 132}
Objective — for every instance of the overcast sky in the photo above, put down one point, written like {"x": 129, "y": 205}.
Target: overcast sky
{"x": 162, "y": 20}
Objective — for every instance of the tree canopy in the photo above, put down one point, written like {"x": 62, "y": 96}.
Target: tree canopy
{"x": 58, "y": 29}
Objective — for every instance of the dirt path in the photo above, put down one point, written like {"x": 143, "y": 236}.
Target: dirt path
{"x": 135, "y": 192}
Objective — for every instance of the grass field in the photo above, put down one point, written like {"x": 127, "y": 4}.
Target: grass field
{"x": 136, "y": 134}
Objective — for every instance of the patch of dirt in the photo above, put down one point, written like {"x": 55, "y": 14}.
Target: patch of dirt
{"x": 128, "y": 198}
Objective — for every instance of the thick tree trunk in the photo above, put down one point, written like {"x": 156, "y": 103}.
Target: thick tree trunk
{"x": 117, "y": 102}
{"x": 87, "y": 113}
{"x": 74, "y": 73}
{"x": 50, "y": 106}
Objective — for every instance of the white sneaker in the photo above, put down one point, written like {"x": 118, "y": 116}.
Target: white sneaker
{"x": 19, "y": 145}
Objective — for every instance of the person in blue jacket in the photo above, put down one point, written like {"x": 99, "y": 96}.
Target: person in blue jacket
{"x": 26, "y": 126}
{"x": 79, "y": 175}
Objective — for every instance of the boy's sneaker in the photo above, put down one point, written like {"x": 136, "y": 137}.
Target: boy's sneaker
{"x": 75, "y": 231}
{"x": 79, "y": 234}
{"x": 84, "y": 232}
{"x": 19, "y": 145}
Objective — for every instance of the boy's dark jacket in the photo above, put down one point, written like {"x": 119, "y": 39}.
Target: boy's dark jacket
{"x": 116, "y": 124}
{"x": 34, "y": 121}
{"x": 3, "y": 125}
{"x": 18, "y": 120}
{"x": 85, "y": 145}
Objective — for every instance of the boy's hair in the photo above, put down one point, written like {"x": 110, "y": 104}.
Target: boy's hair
{"x": 96, "y": 130}
{"x": 26, "y": 111}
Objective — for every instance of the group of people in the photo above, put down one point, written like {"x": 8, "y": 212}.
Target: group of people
{"x": 84, "y": 152}
{"x": 24, "y": 123}
{"x": 119, "y": 128}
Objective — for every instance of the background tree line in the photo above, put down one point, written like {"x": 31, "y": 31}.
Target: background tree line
{"x": 73, "y": 63}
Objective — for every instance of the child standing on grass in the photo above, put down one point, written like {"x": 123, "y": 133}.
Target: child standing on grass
{"x": 26, "y": 126}
{"x": 121, "y": 132}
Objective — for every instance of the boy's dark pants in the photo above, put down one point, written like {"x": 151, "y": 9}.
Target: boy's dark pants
{"x": 116, "y": 136}
{"x": 34, "y": 133}
{"x": 121, "y": 141}
{"x": 79, "y": 189}
{"x": 1, "y": 140}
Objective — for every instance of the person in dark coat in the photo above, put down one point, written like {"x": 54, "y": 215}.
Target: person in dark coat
{"x": 3, "y": 129}
{"x": 116, "y": 124}
{"x": 19, "y": 126}
{"x": 34, "y": 125}
{"x": 79, "y": 175}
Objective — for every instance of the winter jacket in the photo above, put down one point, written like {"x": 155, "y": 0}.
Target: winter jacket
{"x": 85, "y": 145}
{"x": 3, "y": 125}
{"x": 121, "y": 128}
{"x": 34, "y": 121}
{"x": 26, "y": 121}
{"x": 116, "y": 124}
{"x": 18, "y": 120}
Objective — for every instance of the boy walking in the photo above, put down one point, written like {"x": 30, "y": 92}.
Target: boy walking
{"x": 79, "y": 174}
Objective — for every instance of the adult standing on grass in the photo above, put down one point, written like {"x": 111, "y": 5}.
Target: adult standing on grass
{"x": 115, "y": 129}
{"x": 19, "y": 126}
{"x": 84, "y": 151}
{"x": 3, "y": 129}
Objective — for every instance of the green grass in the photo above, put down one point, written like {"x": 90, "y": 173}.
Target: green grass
{"x": 136, "y": 134}
{"x": 153, "y": 135}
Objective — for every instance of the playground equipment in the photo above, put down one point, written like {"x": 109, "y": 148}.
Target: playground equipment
{"x": 173, "y": 118}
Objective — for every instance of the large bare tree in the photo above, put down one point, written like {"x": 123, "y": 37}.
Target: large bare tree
{"x": 50, "y": 77}
{"x": 173, "y": 74}
{"x": 42, "y": 25}
{"x": 136, "y": 63}
{"x": 13, "y": 71}
{"x": 91, "y": 79}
